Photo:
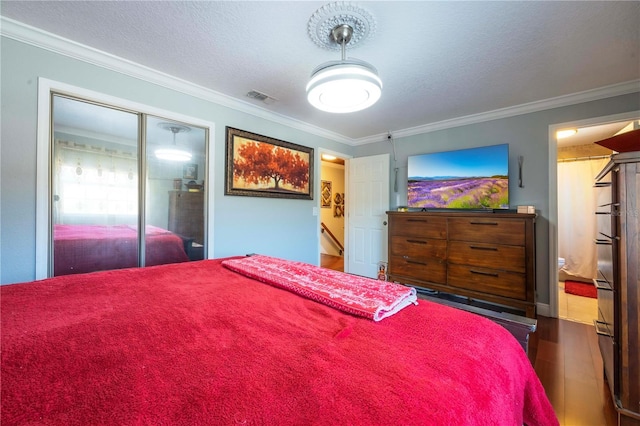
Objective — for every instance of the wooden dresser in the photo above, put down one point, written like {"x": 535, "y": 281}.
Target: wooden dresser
{"x": 618, "y": 282}
{"x": 186, "y": 218}
{"x": 481, "y": 256}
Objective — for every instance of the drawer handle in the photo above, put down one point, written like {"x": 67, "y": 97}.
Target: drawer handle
{"x": 601, "y": 328}
{"x": 602, "y": 242}
{"x": 417, "y": 220}
{"x": 609, "y": 237}
{"x": 602, "y": 285}
{"x": 483, "y": 223}
{"x": 490, "y": 274}
{"x": 483, "y": 248}
{"x": 416, "y": 241}
{"x": 416, "y": 262}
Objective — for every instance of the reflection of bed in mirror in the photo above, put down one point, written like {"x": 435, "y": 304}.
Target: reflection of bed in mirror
{"x": 88, "y": 248}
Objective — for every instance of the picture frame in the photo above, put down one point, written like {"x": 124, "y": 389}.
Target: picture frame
{"x": 250, "y": 160}
{"x": 190, "y": 171}
{"x": 325, "y": 194}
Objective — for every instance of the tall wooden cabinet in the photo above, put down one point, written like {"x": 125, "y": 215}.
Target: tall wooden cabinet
{"x": 618, "y": 282}
{"x": 186, "y": 218}
{"x": 483, "y": 256}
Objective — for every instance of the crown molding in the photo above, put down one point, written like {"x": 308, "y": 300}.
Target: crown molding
{"x": 36, "y": 37}
{"x": 42, "y": 39}
{"x": 560, "y": 101}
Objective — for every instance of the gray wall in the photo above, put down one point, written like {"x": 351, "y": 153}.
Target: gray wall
{"x": 527, "y": 136}
{"x": 249, "y": 224}
{"x": 282, "y": 227}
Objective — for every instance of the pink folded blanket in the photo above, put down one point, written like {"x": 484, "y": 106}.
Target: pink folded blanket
{"x": 361, "y": 296}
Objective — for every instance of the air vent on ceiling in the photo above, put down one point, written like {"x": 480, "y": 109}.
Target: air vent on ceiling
{"x": 254, "y": 94}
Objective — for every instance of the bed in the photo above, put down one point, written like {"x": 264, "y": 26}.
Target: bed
{"x": 88, "y": 248}
{"x": 222, "y": 342}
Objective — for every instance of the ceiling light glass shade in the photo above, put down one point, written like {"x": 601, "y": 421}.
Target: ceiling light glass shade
{"x": 172, "y": 154}
{"x": 344, "y": 86}
{"x": 561, "y": 134}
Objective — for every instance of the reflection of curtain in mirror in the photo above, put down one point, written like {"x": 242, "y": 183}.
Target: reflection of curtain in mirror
{"x": 94, "y": 184}
{"x": 576, "y": 218}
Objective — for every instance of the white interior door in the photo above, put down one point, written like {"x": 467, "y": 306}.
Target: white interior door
{"x": 367, "y": 205}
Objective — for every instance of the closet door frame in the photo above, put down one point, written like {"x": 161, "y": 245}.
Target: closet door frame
{"x": 46, "y": 89}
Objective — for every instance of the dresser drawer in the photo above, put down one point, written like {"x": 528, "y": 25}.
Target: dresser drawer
{"x": 493, "y": 256}
{"x": 604, "y": 191}
{"x": 605, "y": 303}
{"x": 419, "y": 226}
{"x": 604, "y": 250}
{"x": 422, "y": 248}
{"x": 490, "y": 281}
{"x": 604, "y": 223}
{"x": 421, "y": 269}
{"x": 489, "y": 230}
{"x": 606, "y": 345}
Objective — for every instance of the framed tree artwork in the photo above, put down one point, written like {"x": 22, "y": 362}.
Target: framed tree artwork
{"x": 260, "y": 166}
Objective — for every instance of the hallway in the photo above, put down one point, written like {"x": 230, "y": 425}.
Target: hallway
{"x": 332, "y": 262}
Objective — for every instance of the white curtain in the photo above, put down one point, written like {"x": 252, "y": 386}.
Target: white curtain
{"x": 576, "y": 217}
{"x": 94, "y": 185}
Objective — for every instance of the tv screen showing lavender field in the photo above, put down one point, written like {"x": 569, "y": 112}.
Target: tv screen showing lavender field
{"x": 475, "y": 178}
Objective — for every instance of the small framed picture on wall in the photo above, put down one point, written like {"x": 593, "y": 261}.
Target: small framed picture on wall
{"x": 325, "y": 192}
{"x": 190, "y": 171}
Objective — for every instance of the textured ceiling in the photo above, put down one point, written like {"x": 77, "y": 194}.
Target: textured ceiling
{"x": 438, "y": 60}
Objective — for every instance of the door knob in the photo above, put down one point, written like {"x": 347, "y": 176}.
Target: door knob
{"x": 384, "y": 223}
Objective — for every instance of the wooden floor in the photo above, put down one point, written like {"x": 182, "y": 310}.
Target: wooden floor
{"x": 332, "y": 262}
{"x": 567, "y": 360}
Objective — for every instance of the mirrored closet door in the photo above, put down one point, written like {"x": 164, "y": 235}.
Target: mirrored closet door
{"x": 175, "y": 200}
{"x": 126, "y": 189}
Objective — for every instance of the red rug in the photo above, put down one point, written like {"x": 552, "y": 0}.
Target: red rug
{"x": 580, "y": 289}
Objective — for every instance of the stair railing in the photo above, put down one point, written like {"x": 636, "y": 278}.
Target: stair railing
{"x": 324, "y": 228}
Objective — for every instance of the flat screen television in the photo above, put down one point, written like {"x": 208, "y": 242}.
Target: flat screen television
{"x": 473, "y": 178}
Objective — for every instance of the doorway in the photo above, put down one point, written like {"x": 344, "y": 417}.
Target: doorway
{"x": 574, "y": 163}
{"x": 332, "y": 211}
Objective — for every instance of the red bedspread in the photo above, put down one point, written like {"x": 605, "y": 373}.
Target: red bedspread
{"x": 197, "y": 344}
{"x": 87, "y": 248}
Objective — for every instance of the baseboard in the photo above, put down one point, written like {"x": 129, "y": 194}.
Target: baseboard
{"x": 543, "y": 309}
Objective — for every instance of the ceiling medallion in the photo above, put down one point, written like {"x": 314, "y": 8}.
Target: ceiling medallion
{"x": 350, "y": 84}
{"x": 329, "y": 16}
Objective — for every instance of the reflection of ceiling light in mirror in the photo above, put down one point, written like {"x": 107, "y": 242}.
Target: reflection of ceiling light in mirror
{"x": 173, "y": 154}
{"x": 561, "y": 134}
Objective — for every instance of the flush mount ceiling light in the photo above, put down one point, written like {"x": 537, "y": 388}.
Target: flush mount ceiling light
{"x": 347, "y": 85}
{"x": 173, "y": 154}
{"x": 561, "y": 134}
